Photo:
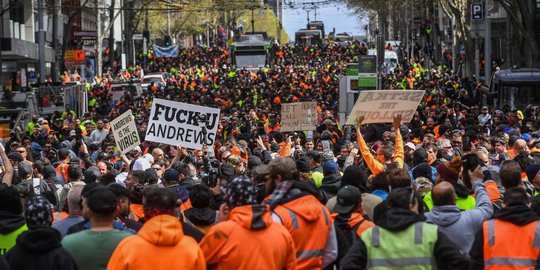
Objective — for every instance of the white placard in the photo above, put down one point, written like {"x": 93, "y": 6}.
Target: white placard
{"x": 299, "y": 116}
{"x": 125, "y": 132}
{"x": 380, "y": 106}
{"x": 183, "y": 124}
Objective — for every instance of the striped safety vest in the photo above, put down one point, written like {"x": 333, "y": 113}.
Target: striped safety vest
{"x": 509, "y": 246}
{"x": 409, "y": 249}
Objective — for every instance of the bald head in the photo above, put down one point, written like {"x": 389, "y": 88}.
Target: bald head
{"x": 444, "y": 194}
{"x": 157, "y": 153}
{"x": 520, "y": 145}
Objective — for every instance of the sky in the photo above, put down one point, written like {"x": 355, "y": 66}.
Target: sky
{"x": 333, "y": 15}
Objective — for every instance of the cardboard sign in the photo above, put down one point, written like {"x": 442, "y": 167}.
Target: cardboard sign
{"x": 125, "y": 132}
{"x": 380, "y": 106}
{"x": 183, "y": 124}
{"x": 298, "y": 116}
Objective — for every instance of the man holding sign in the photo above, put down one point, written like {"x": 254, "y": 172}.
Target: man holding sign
{"x": 388, "y": 156}
{"x": 125, "y": 132}
{"x": 177, "y": 123}
{"x": 381, "y": 106}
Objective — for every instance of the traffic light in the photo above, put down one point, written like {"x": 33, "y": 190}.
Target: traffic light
{"x": 167, "y": 40}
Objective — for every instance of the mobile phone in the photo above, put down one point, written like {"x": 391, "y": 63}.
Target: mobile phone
{"x": 470, "y": 162}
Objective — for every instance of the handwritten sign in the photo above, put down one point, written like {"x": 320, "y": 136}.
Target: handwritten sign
{"x": 298, "y": 116}
{"x": 380, "y": 106}
{"x": 125, "y": 132}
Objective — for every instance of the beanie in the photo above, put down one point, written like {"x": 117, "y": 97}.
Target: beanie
{"x": 449, "y": 171}
{"x": 39, "y": 212}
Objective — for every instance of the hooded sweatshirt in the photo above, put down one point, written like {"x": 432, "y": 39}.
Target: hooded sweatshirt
{"x": 11, "y": 225}
{"x": 249, "y": 228}
{"x": 446, "y": 254}
{"x": 202, "y": 218}
{"x": 159, "y": 244}
{"x": 462, "y": 226}
{"x": 40, "y": 248}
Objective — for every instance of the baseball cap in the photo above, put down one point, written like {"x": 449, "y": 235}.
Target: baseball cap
{"x": 330, "y": 166}
{"x": 347, "y": 199}
{"x": 314, "y": 154}
{"x": 278, "y": 165}
{"x": 410, "y": 145}
{"x": 101, "y": 200}
{"x": 16, "y": 156}
{"x": 303, "y": 165}
{"x": 171, "y": 176}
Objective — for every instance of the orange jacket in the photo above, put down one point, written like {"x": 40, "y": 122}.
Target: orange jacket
{"x": 160, "y": 244}
{"x": 354, "y": 220}
{"x": 309, "y": 224}
{"x": 375, "y": 166}
{"x": 137, "y": 210}
{"x": 62, "y": 171}
{"x": 500, "y": 245}
{"x": 250, "y": 239}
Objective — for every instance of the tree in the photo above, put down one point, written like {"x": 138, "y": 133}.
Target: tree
{"x": 524, "y": 17}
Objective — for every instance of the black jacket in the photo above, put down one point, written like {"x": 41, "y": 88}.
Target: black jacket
{"x": 516, "y": 214}
{"x": 447, "y": 255}
{"x": 10, "y": 222}
{"x": 40, "y": 248}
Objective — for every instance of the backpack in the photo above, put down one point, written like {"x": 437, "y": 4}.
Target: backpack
{"x": 349, "y": 232}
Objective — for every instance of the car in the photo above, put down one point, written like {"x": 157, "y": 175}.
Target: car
{"x": 119, "y": 89}
{"x": 156, "y": 78}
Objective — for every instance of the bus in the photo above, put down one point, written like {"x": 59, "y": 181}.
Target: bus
{"x": 513, "y": 87}
{"x": 317, "y": 25}
{"x": 308, "y": 37}
{"x": 252, "y": 52}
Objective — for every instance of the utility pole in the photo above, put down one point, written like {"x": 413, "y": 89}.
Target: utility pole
{"x": 57, "y": 14}
{"x": 169, "y": 21}
{"x": 454, "y": 44}
{"x": 252, "y": 7}
{"x": 41, "y": 41}
{"x": 99, "y": 39}
{"x": 476, "y": 52}
{"x": 145, "y": 42}
{"x": 487, "y": 45}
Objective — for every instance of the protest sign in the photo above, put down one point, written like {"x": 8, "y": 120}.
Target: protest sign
{"x": 125, "y": 132}
{"x": 380, "y": 106}
{"x": 298, "y": 116}
{"x": 183, "y": 124}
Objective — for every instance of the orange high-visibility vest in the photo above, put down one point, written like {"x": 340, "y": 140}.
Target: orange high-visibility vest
{"x": 309, "y": 236}
{"x": 509, "y": 246}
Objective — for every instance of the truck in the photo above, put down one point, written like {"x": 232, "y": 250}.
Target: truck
{"x": 317, "y": 25}
{"x": 252, "y": 51}
{"x": 308, "y": 37}
{"x": 516, "y": 88}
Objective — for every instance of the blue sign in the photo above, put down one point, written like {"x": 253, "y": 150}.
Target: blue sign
{"x": 477, "y": 11}
{"x": 171, "y": 51}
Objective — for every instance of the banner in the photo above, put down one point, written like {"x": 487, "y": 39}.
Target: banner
{"x": 183, "y": 124}
{"x": 298, "y": 116}
{"x": 380, "y": 106}
{"x": 171, "y": 51}
{"x": 125, "y": 132}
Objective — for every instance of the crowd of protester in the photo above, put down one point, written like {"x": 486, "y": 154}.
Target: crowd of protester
{"x": 456, "y": 188}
